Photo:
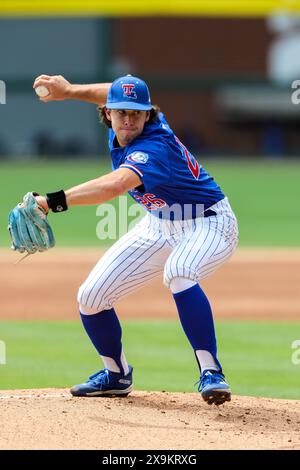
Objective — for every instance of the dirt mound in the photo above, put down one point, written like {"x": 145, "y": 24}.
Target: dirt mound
{"x": 52, "y": 419}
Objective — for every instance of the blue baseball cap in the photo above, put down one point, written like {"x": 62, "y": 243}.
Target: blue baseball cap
{"x": 129, "y": 93}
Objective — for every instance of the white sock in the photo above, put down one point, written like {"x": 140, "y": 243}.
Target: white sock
{"x": 110, "y": 364}
{"x": 206, "y": 360}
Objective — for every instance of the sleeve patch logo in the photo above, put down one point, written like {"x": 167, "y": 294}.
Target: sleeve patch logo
{"x": 138, "y": 157}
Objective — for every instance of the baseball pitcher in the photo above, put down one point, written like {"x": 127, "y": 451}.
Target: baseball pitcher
{"x": 188, "y": 231}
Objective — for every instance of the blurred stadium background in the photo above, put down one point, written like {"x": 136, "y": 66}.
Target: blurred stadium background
{"x": 224, "y": 82}
{"x": 222, "y": 72}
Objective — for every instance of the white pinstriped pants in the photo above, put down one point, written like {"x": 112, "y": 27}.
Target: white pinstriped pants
{"x": 192, "y": 249}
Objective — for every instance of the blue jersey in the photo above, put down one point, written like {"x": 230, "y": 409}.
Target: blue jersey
{"x": 172, "y": 181}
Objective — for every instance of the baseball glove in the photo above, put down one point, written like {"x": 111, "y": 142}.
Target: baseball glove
{"x": 29, "y": 228}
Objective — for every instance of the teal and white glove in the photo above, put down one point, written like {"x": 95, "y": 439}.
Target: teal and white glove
{"x": 29, "y": 228}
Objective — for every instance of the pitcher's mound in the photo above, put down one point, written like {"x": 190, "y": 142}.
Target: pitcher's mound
{"x": 53, "y": 419}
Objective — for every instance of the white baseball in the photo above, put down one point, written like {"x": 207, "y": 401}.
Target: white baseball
{"x": 42, "y": 91}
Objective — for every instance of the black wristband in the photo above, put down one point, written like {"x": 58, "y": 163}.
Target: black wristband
{"x": 57, "y": 201}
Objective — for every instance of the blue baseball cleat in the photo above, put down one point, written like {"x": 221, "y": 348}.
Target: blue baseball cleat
{"x": 104, "y": 384}
{"x": 213, "y": 387}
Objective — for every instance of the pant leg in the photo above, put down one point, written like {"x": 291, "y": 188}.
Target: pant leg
{"x": 205, "y": 246}
{"x": 132, "y": 261}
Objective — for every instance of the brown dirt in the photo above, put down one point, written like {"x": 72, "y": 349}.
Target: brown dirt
{"x": 255, "y": 284}
{"x": 52, "y": 419}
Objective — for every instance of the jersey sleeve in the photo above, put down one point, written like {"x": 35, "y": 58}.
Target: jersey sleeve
{"x": 151, "y": 165}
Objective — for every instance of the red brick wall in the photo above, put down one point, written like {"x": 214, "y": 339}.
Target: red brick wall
{"x": 193, "y": 46}
{"x": 196, "y": 48}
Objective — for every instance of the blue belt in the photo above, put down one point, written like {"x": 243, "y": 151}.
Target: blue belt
{"x": 209, "y": 213}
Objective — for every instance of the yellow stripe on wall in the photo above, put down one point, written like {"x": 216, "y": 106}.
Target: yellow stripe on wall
{"x": 146, "y": 7}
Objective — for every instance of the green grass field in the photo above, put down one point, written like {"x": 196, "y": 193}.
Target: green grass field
{"x": 256, "y": 356}
{"x": 263, "y": 194}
